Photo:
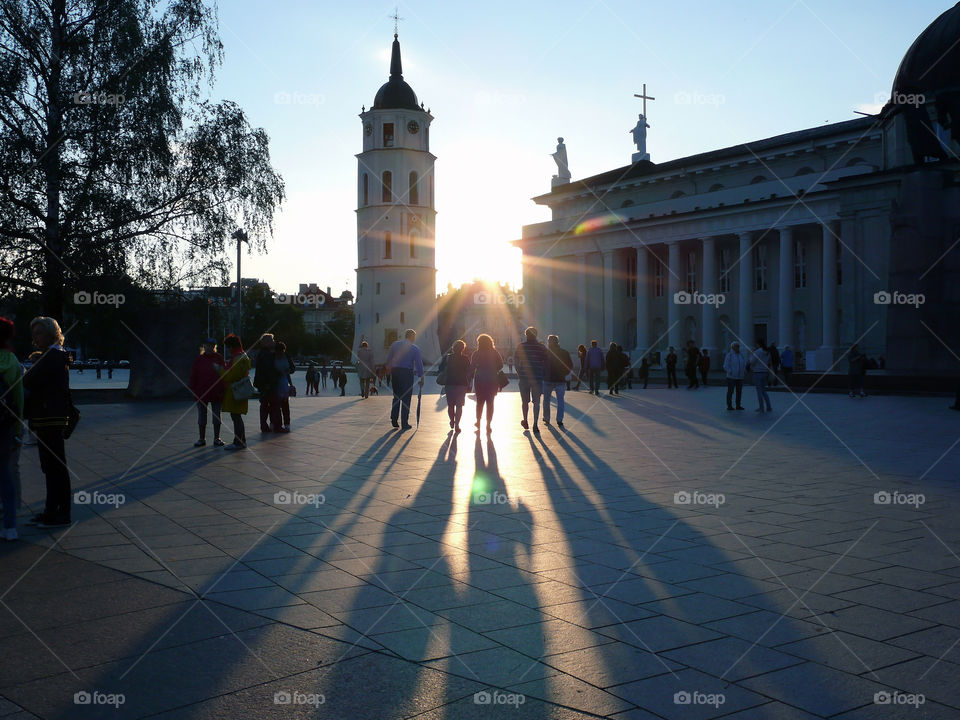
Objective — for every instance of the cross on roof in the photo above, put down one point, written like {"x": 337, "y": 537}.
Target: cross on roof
{"x": 645, "y": 98}
{"x": 396, "y": 20}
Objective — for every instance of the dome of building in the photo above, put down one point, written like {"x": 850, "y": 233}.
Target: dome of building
{"x": 933, "y": 61}
{"x": 395, "y": 93}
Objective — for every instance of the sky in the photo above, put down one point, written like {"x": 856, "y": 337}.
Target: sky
{"x": 505, "y": 79}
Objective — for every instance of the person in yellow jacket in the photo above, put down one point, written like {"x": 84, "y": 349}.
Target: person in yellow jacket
{"x": 237, "y": 369}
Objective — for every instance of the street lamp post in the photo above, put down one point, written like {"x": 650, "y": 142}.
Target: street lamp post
{"x": 240, "y": 236}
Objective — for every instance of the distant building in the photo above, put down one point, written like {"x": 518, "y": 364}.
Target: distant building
{"x": 319, "y": 307}
{"x": 475, "y": 308}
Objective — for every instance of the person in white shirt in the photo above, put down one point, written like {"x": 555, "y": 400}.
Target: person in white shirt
{"x": 735, "y": 366}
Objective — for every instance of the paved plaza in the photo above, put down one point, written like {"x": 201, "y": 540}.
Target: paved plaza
{"x": 658, "y": 558}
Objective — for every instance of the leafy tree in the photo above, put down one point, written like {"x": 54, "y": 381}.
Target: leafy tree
{"x": 112, "y": 159}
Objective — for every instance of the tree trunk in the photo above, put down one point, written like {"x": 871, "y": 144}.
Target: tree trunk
{"x": 53, "y": 266}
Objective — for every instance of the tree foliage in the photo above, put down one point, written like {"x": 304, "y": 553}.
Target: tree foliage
{"x": 112, "y": 160}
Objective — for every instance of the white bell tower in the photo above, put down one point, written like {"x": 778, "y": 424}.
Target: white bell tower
{"x": 396, "y": 259}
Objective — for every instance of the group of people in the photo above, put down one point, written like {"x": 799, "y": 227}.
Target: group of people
{"x": 542, "y": 372}
{"x": 224, "y": 385}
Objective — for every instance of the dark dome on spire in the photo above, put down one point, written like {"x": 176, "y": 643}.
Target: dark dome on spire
{"x": 395, "y": 93}
{"x": 933, "y": 61}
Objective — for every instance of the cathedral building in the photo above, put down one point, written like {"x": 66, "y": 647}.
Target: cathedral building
{"x": 817, "y": 239}
{"x": 396, "y": 266}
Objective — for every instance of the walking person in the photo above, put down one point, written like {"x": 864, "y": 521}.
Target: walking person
{"x": 627, "y": 365}
{"x": 581, "y": 364}
{"x": 786, "y": 364}
{"x": 774, "y": 364}
{"x": 531, "y": 359}
{"x": 759, "y": 364}
{"x": 644, "y": 371}
{"x": 237, "y": 368}
{"x": 323, "y": 375}
{"x": 614, "y": 362}
{"x": 595, "y": 365}
{"x": 11, "y": 424}
{"x": 342, "y": 380}
{"x": 703, "y": 365}
{"x": 857, "y": 370}
{"x": 48, "y": 410}
{"x": 735, "y": 366}
{"x": 365, "y": 368}
{"x": 485, "y": 367}
{"x": 311, "y": 377}
{"x": 455, "y": 367}
{"x": 265, "y": 379}
{"x": 404, "y": 362}
{"x": 559, "y": 366}
{"x": 693, "y": 359}
{"x": 285, "y": 367}
{"x": 207, "y": 389}
{"x": 672, "y": 369}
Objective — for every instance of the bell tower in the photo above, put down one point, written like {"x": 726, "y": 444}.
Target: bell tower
{"x": 396, "y": 259}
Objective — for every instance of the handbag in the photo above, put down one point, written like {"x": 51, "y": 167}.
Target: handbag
{"x": 73, "y": 419}
{"x": 242, "y": 389}
{"x": 293, "y": 390}
{"x": 502, "y": 379}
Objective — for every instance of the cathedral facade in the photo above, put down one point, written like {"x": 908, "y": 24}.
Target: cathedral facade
{"x": 396, "y": 264}
{"x": 815, "y": 239}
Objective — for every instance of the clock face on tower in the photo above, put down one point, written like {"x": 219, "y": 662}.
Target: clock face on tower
{"x": 412, "y": 127}
{"x": 368, "y": 129}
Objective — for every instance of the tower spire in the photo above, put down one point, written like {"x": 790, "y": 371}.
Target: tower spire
{"x": 396, "y": 67}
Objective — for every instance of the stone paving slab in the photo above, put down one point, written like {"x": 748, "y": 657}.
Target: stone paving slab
{"x": 656, "y": 555}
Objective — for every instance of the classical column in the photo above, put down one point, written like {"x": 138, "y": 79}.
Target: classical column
{"x": 583, "y": 302}
{"x": 708, "y": 318}
{"x": 745, "y": 326}
{"x": 643, "y": 303}
{"x": 608, "y": 259}
{"x": 829, "y": 232}
{"x": 673, "y": 287}
{"x": 785, "y": 288}
{"x": 549, "y": 297}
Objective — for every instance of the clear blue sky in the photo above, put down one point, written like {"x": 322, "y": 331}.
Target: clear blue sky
{"x": 504, "y": 79}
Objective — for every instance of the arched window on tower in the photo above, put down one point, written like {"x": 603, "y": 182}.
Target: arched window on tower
{"x": 366, "y": 190}
{"x": 388, "y": 247}
{"x": 387, "y": 183}
{"x": 414, "y": 239}
{"x": 414, "y": 189}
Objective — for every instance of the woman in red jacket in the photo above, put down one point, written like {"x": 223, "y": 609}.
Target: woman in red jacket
{"x": 207, "y": 387}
